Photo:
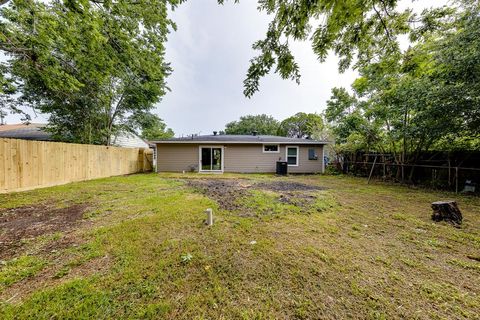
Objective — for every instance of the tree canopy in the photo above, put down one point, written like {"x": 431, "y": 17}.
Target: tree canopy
{"x": 262, "y": 124}
{"x": 426, "y": 98}
{"x": 301, "y": 125}
{"x": 358, "y": 32}
{"x": 89, "y": 65}
{"x": 151, "y": 126}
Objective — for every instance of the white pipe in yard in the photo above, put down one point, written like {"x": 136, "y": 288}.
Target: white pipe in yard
{"x": 209, "y": 221}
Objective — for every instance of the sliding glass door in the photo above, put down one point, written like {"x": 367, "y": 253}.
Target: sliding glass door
{"x": 211, "y": 158}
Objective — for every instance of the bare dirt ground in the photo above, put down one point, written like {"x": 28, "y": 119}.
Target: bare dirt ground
{"x": 28, "y": 222}
{"x": 230, "y": 193}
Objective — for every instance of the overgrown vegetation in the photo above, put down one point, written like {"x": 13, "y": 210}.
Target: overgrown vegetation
{"x": 426, "y": 98}
{"x": 142, "y": 251}
{"x": 91, "y": 66}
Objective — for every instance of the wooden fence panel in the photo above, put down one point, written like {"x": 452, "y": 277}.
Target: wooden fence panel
{"x": 28, "y": 164}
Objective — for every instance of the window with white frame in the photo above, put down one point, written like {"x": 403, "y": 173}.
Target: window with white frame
{"x": 292, "y": 156}
{"x": 271, "y": 148}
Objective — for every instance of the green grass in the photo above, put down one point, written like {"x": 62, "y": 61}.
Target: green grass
{"x": 18, "y": 269}
{"x": 142, "y": 252}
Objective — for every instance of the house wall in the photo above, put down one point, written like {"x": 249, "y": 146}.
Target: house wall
{"x": 305, "y": 165}
{"x": 246, "y": 158}
{"x": 177, "y": 157}
{"x": 128, "y": 140}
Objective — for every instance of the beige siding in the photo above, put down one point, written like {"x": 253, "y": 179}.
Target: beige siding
{"x": 246, "y": 158}
{"x": 249, "y": 158}
{"x": 176, "y": 157}
{"x": 305, "y": 165}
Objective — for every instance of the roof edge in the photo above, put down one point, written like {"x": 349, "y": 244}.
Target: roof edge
{"x": 236, "y": 142}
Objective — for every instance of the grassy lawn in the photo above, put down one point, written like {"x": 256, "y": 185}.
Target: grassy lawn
{"x": 294, "y": 247}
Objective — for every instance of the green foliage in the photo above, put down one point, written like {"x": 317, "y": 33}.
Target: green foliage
{"x": 88, "y": 64}
{"x": 263, "y": 124}
{"x": 356, "y": 31}
{"x": 151, "y": 126}
{"x": 425, "y": 98}
{"x": 301, "y": 125}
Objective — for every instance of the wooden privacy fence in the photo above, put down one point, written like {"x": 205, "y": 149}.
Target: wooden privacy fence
{"x": 28, "y": 164}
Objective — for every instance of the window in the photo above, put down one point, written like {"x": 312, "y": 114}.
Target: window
{"x": 312, "y": 155}
{"x": 292, "y": 156}
{"x": 211, "y": 158}
{"x": 271, "y": 148}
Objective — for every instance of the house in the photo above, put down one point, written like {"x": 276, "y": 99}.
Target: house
{"x": 35, "y": 131}
{"x": 239, "y": 153}
{"x": 127, "y": 139}
{"x": 31, "y": 131}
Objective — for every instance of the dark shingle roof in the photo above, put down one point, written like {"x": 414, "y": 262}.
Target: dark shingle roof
{"x": 247, "y": 139}
{"x": 32, "y": 131}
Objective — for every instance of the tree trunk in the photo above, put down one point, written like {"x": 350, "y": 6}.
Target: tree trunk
{"x": 446, "y": 211}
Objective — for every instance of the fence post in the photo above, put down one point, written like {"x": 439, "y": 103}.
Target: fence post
{"x": 141, "y": 165}
{"x": 371, "y": 171}
{"x": 456, "y": 179}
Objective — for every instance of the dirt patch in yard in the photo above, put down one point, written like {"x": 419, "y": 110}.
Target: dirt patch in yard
{"x": 31, "y": 221}
{"x": 280, "y": 186}
{"x": 225, "y": 192}
{"x": 230, "y": 193}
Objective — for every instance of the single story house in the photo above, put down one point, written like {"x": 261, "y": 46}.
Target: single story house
{"x": 239, "y": 153}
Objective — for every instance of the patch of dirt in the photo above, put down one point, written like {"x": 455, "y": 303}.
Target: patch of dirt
{"x": 224, "y": 192}
{"x": 297, "y": 199}
{"x": 227, "y": 192}
{"x": 33, "y": 221}
{"x": 287, "y": 186}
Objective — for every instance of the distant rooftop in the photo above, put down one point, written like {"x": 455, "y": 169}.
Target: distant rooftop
{"x": 32, "y": 131}
{"x": 248, "y": 139}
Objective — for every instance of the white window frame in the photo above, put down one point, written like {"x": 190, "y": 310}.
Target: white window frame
{"x": 270, "y": 144}
{"x": 200, "y": 159}
{"x": 298, "y": 155}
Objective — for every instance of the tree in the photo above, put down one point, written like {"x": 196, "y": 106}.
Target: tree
{"x": 426, "y": 98}
{"x": 356, "y": 31}
{"x": 301, "y": 125}
{"x": 151, "y": 126}
{"x": 262, "y": 124}
{"x": 90, "y": 65}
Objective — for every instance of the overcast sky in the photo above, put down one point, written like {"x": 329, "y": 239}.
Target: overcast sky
{"x": 210, "y": 55}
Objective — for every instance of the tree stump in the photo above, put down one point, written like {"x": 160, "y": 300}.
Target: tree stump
{"x": 446, "y": 211}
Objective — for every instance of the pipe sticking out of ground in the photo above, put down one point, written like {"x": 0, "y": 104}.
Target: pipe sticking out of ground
{"x": 209, "y": 221}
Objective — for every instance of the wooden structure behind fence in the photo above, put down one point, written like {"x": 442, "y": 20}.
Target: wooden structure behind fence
{"x": 26, "y": 164}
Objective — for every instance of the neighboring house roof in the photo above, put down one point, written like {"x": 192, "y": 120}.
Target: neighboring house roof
{"x": 32, "y": 131}
{"x": 244, "y": 139}
{"x": 35, "y": 131}
{"x": 129, "y": 140}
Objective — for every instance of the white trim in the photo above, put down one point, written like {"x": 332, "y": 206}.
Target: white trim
{"x": 271, "y": 144}
{"x": 298, "y": 155}
{"x": 200, "y": 158}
